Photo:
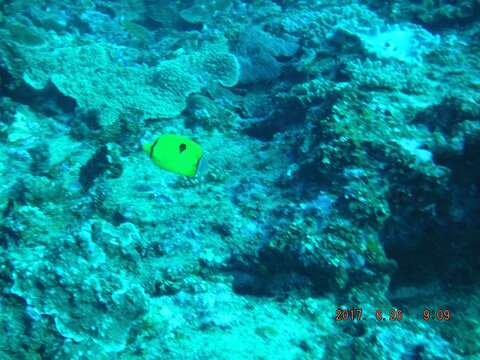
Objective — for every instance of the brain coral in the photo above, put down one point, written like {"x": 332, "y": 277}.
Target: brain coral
{"x": 75, "y": 280}
{"x": 216, "y": 66}
{"x": 96, "y": 77}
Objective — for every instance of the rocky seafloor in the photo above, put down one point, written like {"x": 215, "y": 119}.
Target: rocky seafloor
{"x": 343, "y": 142}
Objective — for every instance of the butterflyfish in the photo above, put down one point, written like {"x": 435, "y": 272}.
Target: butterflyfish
{"x": 176, "y": 154}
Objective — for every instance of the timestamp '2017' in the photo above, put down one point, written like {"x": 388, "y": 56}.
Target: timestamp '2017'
{"x": 348, "y": 314}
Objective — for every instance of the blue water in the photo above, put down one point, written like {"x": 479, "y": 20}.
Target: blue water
{"x": 227, "y": 179}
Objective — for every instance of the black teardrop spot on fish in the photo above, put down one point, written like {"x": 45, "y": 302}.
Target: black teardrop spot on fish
{"x": 183, "y": 147}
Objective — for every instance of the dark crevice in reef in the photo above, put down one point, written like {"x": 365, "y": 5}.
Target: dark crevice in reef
{"x": 465, "y": 169}
{"x": 288, "y": 114}
{"x": 433, "y": 229}
{"x": 434, "y": 259}
{"x": 433, "y": 233}
{"x": 433, "y": 244}
{"x": 105, "y": 161}
{"x": 48, "y": 101}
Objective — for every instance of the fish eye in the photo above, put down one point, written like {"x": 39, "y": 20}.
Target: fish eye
{"x": 183, "y": 147}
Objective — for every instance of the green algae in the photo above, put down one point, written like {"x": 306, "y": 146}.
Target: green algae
{"x": 266, "y": 332}
{"x": 138, "y": 32}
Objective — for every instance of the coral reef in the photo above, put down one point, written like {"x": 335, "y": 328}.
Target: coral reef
{"x": 337, "y": 216}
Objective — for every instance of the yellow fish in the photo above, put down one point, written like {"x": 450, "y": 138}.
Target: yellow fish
{"x": 176, "y": 154}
